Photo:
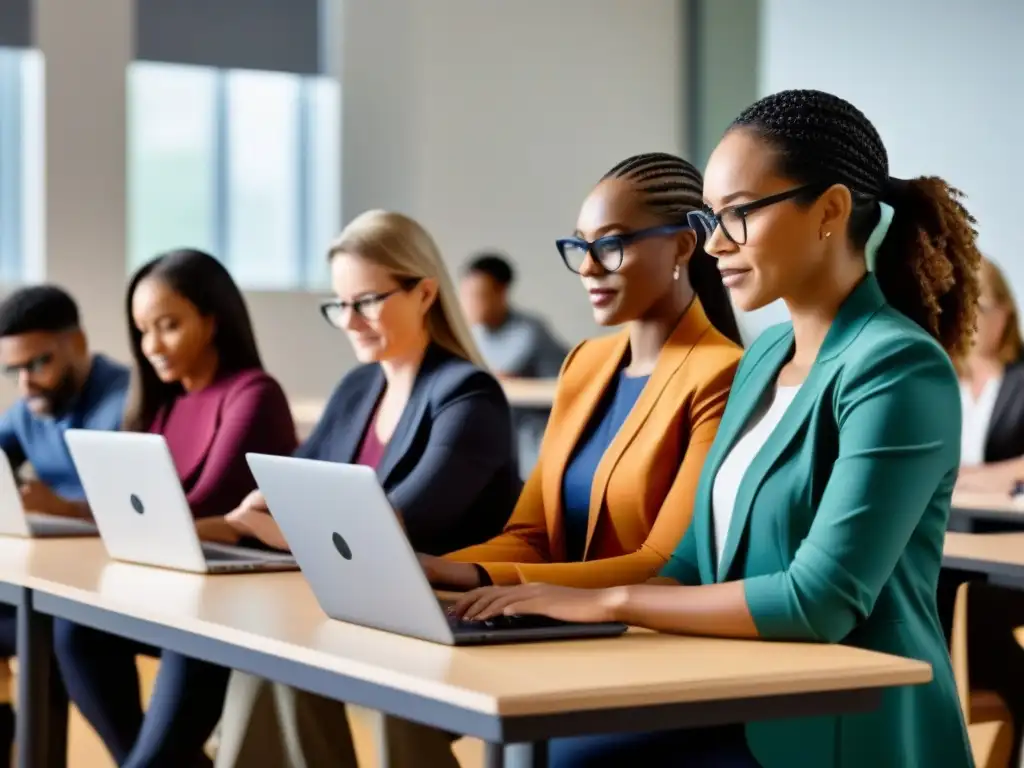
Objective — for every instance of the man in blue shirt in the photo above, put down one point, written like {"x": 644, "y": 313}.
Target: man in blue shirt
{"x": 61, "y": 385}
{"x": 514, "y": 344}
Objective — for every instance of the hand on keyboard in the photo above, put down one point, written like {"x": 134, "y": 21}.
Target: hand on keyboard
{"x": 504, "y": 622}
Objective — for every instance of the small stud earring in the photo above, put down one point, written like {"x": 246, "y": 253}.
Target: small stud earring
{"x": 675, "y": 273}
{"x": 828, "y": 235}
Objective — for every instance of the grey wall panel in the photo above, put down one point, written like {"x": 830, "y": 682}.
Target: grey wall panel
{"x": 16, "y": 23}
{"x": 276, "y": 35}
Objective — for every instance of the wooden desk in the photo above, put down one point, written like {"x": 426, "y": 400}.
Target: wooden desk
{"x": 521, "y": 393}
{"x": 996, "y": 554}
{"x": 271, "y": 625}
{"x": 530, "y": 393}
{"x": 968, "y": 508}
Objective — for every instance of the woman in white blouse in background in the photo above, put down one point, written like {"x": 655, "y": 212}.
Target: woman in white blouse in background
{"x": 992, "y": 461}
{"x": 992, "y": 392}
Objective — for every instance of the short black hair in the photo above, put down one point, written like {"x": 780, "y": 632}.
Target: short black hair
{"x": 38, "y": 308}
{"x": 494, "y": 265}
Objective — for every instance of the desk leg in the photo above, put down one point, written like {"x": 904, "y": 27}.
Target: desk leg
{"x": 527, "y": 755}
{"x": 42, "y": 724}
{"x": 494, "y": 755}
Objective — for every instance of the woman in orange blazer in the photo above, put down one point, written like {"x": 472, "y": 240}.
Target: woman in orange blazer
{"x": 633, "y": 418}
{"x": 634, "y": 413}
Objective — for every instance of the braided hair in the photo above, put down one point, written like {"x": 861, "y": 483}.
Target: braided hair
{"x": 670, "y": 187}
{"x": 928, "y": 263}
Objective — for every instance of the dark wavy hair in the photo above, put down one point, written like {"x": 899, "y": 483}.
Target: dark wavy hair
{"x": 203, "y": 281}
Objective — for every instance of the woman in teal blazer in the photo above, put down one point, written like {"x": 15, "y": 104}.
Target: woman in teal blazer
{"x": 822, "y": 507}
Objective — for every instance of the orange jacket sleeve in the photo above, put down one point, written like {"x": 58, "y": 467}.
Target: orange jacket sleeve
{"x": 672, "y": 521}
{"x": 525, "y": 538}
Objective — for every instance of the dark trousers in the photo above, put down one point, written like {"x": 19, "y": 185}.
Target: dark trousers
{"x": 8, "y": 649}
{"x": 724, "y": 747}
{"x": 994, "y": 659}
{"x": 102, "y": 680}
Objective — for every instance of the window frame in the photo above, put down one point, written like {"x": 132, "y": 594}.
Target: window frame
{"x": 304, "y": 252}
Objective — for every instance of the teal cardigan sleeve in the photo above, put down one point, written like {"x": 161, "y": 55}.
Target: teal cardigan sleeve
{"x": 682, "y": 566}
{"x": 898, "y": 412}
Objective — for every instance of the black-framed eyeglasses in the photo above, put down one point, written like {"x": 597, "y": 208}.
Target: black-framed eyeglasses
{"x": 367, "y": 306}
{"x": 32, "y": 367}
{"x": 733, "y": 219}
{"x": 608, "y": 250}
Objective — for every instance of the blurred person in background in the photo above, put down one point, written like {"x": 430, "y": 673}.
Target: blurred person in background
{"x": 199, "y": 382}
{"x": 514, "y": 344}
{"x": 61, "y": 385}
{"x": 992, "y": 392}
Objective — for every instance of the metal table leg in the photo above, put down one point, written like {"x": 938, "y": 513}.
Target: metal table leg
{"x": 527, "y": 755}
{"x": 42, "y": 725}
{"x": 494, "y": 755}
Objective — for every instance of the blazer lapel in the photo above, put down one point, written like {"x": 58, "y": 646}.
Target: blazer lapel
{"x": 691, "y": 326}
{"x": 743, "y": 402}
{"x": 856, "y": 310}
{"x": 998, "y": 422}
{"x": 581, "y": 399}
{"x": 796, "y": 414}
{"x": 412, "y": 415}
{"x": 352, "y": 425}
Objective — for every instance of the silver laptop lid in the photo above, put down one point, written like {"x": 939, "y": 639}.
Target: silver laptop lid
{"x": 136, "y": 498}
{"x": 12, "y": 513}
{"x": 350, "y": 546}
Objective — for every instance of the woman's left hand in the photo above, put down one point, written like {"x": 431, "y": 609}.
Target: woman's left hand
{"x": 564, "y": 603}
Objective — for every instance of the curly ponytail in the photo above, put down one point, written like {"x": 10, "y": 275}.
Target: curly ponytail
{"x": 928, "y": 263}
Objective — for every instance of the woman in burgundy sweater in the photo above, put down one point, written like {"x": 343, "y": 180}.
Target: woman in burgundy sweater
{"x": 198, "y": 381}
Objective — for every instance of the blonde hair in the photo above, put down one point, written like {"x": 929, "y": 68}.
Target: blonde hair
{"x": 1011, "y": 346}
{"x": 406, "y": 250}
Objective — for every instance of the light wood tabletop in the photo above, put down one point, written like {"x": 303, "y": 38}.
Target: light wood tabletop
{"x": 998, "y": 502}
{"x": 277, "y": 614}
{"x": 996, "y": 548}
{"x": 521, "y": 393}
{"x": 978, "y": 512}
{"x": 530, "y": 393}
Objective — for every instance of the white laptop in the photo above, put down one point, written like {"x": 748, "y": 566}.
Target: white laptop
{"x": 141, "y": 511}
{"x": 355, "y": 555}
{"x": 15, "y": 520}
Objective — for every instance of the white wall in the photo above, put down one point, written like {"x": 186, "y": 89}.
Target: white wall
{"x": 942, "y": 80}
{"x": 489, "y": 121}
{"x": 492, "y": 120}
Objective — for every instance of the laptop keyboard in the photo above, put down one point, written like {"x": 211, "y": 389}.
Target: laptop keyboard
{"x": 503, "y": 623}
{"x": 215, "y": 554}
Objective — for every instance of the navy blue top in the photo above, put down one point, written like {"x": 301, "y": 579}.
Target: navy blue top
{"x": 39, "y": 440}
{"x": 604, "y": 424}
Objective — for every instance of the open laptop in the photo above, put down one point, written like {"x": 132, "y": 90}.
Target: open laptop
{"x": 141, "y": 511}
{"x": 356, "y": 557}
{"x": 15, "y": 520}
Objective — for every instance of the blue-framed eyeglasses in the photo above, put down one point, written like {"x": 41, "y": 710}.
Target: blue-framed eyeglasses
{"x": 608, "y": 250}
